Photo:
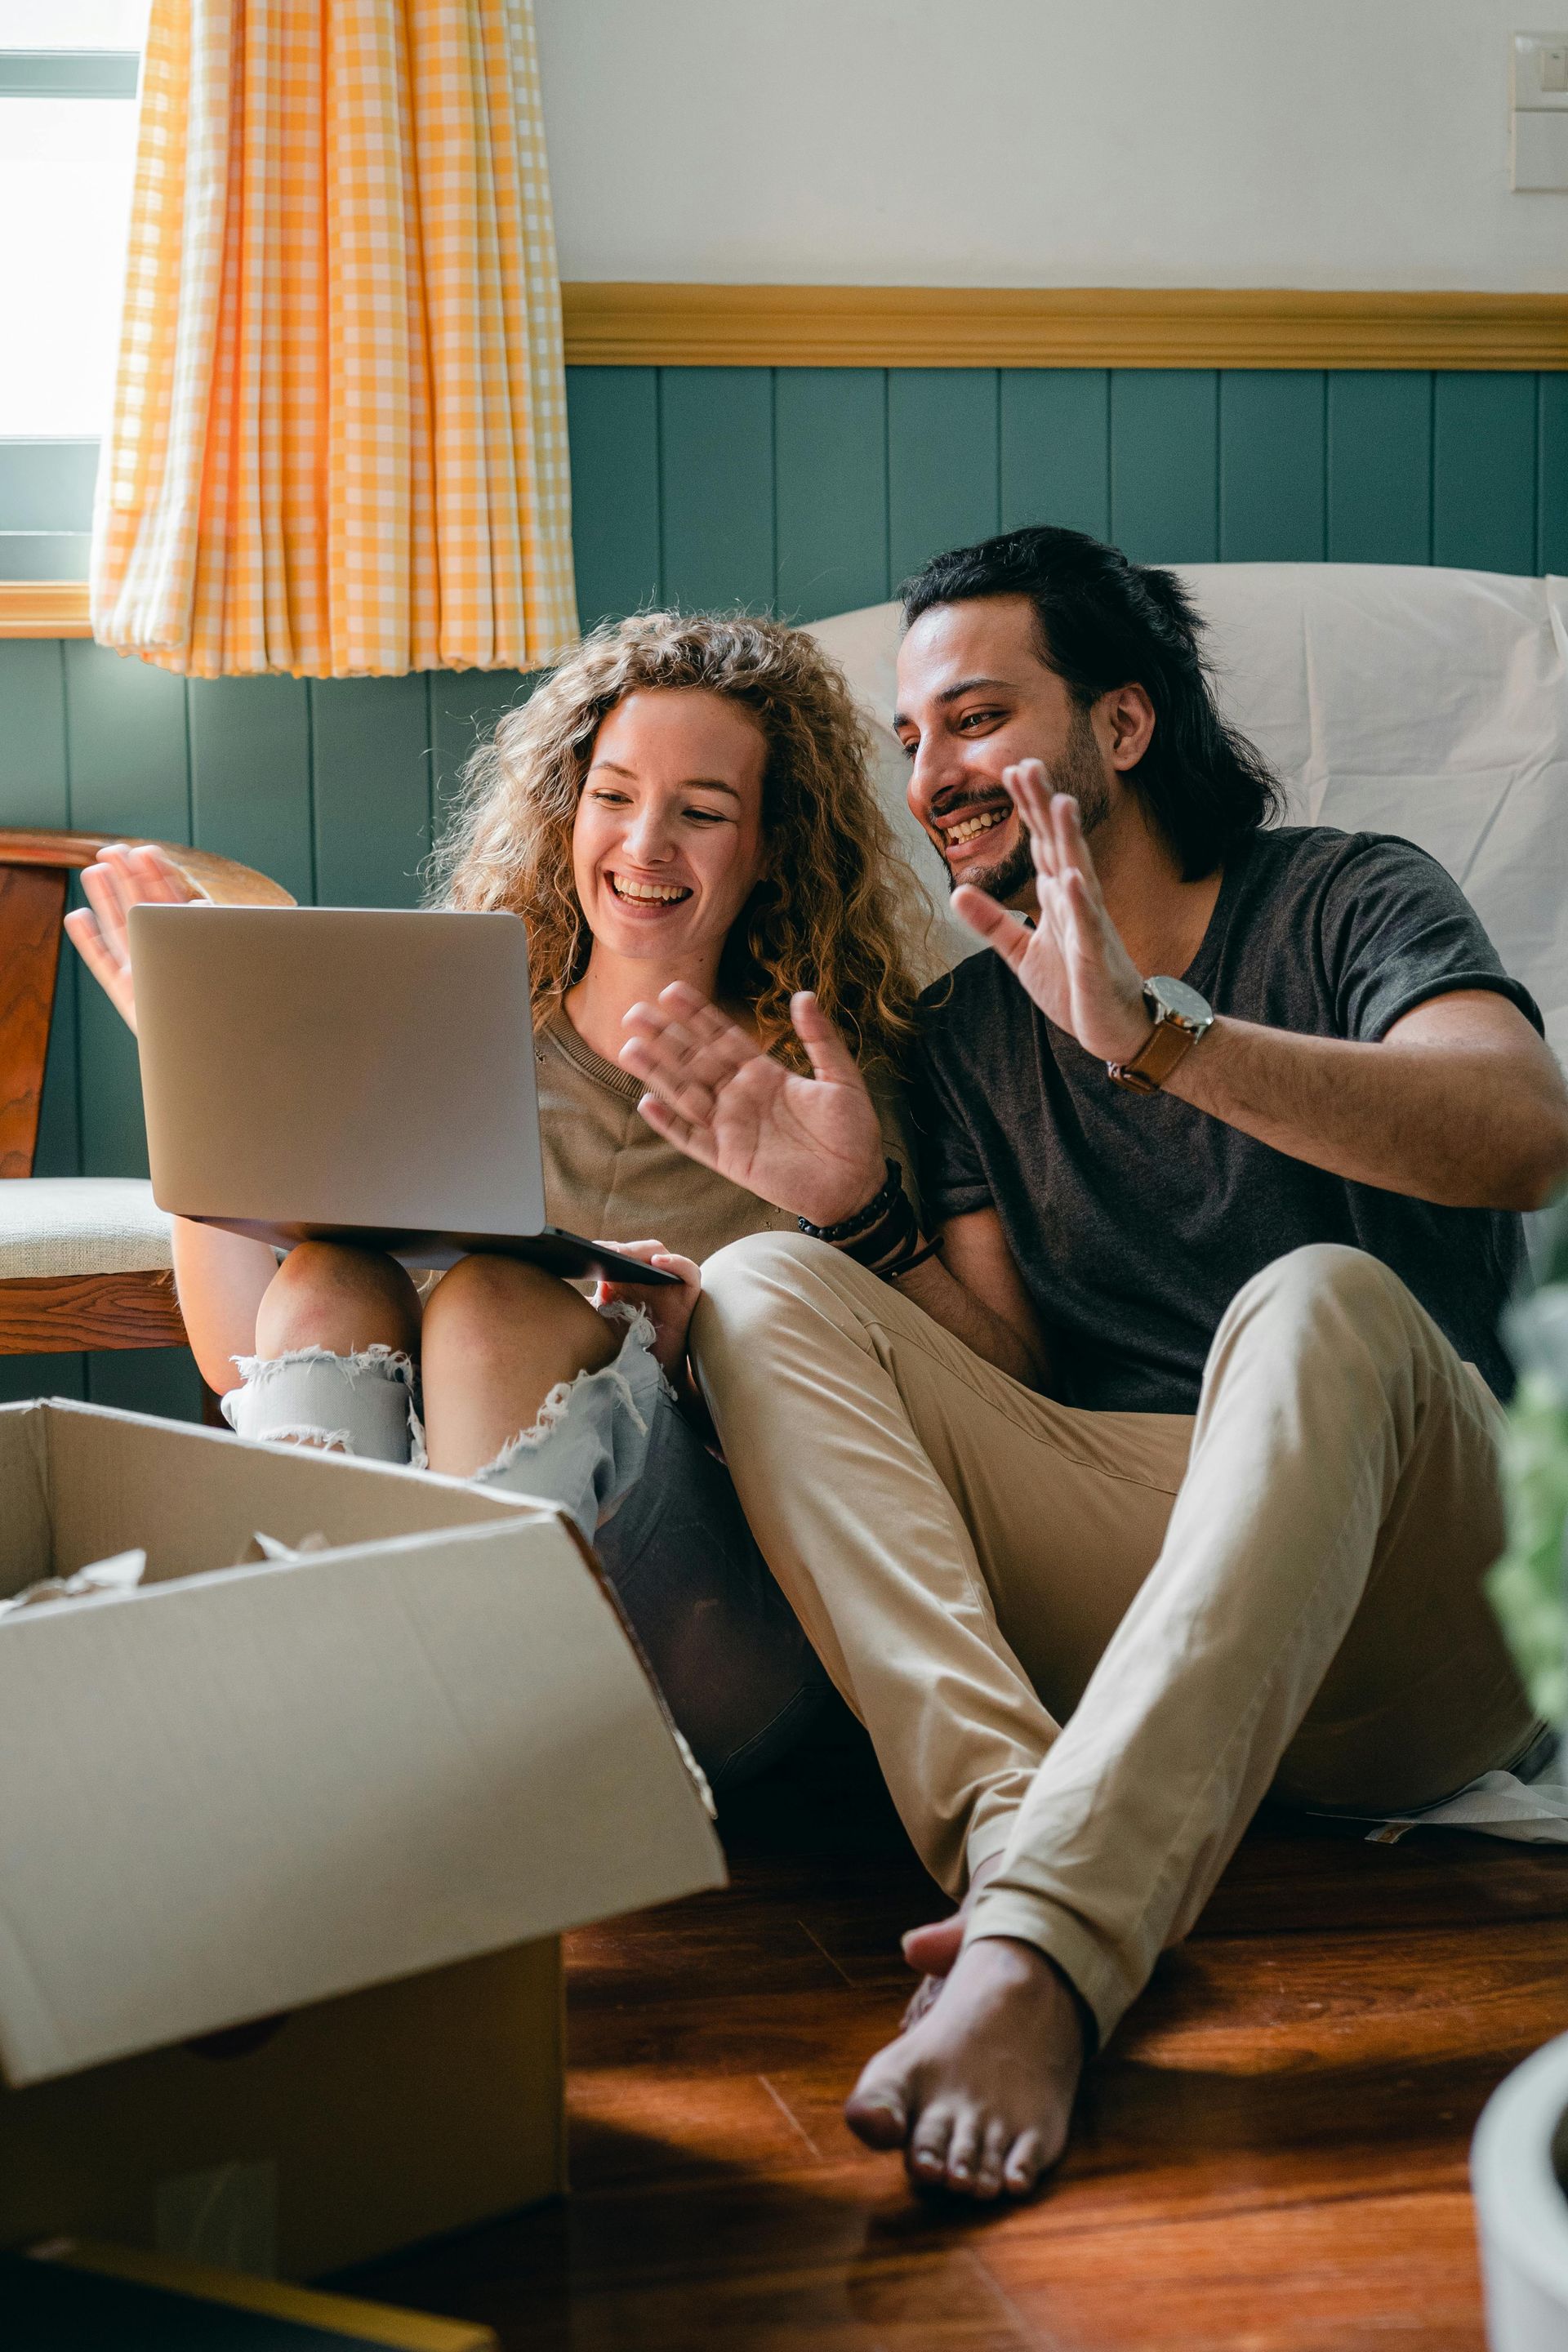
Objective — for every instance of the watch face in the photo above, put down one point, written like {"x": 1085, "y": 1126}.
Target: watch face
{"x": 1177, "y": 1002}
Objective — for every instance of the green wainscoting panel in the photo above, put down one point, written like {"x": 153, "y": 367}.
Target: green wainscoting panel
{"x": 113, "y": 1140}
{"x": 146, "y": 1379}
{"x": 612, "y": 415}
{"x": 1551, "y": 467}
{"x": 34, "y": 780}
{"x": 943, "y": 462}
{"x": 830, "y": 476}
{"x": 1483, "y": 472}
{"x": 464, "y": 707}
{"x": 1380, "y": 467}
{"x": 58, "y": 1151}
{"x": 716, "y": 469}
{"x": 1054, "y": 459}
{"x": 250, "y": 775}
{"x": 1164, "y": 463}
{"x": 22, "y": 1376}
{"x": 1272, "y": 467}
{"x": 129, "y": 754}
{"x": 371, "y": 780}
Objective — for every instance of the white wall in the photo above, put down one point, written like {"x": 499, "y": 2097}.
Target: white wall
{"x": 1039, "y": 143}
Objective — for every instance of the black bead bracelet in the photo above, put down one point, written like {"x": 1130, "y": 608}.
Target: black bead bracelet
{"x": 876, "y": 1208}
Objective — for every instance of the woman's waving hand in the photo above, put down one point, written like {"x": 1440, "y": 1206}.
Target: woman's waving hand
{"x": 121, "y": 879}
{"x": 810, "y": 1145}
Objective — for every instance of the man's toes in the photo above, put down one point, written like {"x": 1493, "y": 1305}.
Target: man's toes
{"x": 964, "y": 2153}
{"x": 927, "y": 2156}
{"x": 992, "y": 2156}
{"x": 921, "y": 2002}
{"x": 1022, "y": 2169}
{"x": 877, "y": 2110}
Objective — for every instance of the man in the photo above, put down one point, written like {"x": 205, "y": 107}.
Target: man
{"x": 1170, "y": 1479}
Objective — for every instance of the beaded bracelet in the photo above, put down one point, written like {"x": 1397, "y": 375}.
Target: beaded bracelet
{"x": 876, "y": 1208}
{"x": 895, "y": 1232}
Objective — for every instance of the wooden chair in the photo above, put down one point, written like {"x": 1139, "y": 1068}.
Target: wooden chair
{"x": 85, "y": 1262}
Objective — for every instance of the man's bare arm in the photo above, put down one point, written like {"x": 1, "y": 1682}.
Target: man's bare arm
{"x": 1461, "y": 1103}
{"x": 974, "y": 1290}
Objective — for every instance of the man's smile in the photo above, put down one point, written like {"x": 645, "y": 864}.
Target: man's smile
{"x": 967, "y": 827}
{"x": 967, "y": 822}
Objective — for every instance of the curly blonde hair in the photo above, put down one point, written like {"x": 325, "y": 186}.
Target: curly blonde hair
{"x": 837, "y": 912}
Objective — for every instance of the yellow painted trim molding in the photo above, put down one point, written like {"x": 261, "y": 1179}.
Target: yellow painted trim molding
{"x": 931, "y": 325}
{"x": 44, "y": 608}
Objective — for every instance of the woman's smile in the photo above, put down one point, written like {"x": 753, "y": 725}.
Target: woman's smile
{"x": 642, "y": 892}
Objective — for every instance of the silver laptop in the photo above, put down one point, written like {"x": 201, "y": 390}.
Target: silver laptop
{"x": 323, "y": 1074}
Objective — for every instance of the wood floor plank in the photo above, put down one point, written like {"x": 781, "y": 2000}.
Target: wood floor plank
{"x": 1271, "y": 2156}
{"x": 1340, "y": 2275}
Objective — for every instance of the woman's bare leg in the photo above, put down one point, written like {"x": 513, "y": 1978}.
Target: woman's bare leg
{"x": 325, "y": 1295}
{"x": 498, "y": 1335}
{"x": 335, "y": 1333}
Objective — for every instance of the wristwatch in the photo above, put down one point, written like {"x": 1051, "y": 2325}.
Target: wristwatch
{"x": 1181, "y": 1016}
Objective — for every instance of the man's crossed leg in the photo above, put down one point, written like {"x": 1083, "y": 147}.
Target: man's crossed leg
{"x": 1086, "y": 1644}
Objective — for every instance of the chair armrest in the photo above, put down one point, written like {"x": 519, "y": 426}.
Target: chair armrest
{"x": 225, "y": 882}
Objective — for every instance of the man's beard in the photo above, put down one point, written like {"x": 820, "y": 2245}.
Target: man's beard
{"x": 1077, "y": 771}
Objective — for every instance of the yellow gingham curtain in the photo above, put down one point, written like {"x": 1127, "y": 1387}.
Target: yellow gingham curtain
{"x": 339, "y": 443}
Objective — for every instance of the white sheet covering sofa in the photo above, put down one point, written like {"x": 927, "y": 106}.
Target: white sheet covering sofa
{"x": 1392, "y": 699}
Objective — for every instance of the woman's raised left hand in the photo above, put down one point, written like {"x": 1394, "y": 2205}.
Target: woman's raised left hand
{"x": 669, "y": 1309}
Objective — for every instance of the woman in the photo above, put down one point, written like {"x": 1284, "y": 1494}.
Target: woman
{"x": 685, "y": 798}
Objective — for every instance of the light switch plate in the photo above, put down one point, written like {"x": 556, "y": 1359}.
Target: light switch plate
{"x": 1537, "y": 99}
{"x": 1540, "y": 81}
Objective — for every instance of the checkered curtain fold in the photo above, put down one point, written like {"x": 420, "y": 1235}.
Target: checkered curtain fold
{"x": 338, "y": 445}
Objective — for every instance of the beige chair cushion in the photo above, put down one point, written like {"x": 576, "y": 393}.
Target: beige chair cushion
{"x": 54, "y": 1225}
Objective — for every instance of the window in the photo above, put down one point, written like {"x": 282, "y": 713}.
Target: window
{"x": 67, "y": 140}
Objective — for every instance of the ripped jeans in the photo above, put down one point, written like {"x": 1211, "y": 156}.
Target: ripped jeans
{"x": 615, "y": 1451}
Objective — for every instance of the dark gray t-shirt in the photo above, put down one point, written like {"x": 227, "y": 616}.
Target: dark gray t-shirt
{"x": 1135, "y": 1219}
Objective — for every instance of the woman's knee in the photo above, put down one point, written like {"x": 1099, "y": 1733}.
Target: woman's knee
{"x": 504, "y": 1321}
{"x": 325, "y": 1295}
{"x": 487, "y": 1301}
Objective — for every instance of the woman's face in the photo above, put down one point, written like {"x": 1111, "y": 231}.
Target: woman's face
{"x": 668, "y": 844}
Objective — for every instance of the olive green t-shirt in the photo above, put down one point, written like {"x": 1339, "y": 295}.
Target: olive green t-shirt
{"x": 610, "y": 1178}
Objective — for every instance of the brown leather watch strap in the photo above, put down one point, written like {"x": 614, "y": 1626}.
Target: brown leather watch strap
{"x": 1146, "y": 1073}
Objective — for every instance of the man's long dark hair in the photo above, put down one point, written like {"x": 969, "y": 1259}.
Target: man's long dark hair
{"x": 1105, "y": 622}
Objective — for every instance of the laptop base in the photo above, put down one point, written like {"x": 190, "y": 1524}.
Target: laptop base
{"x": 566, "y": 1255}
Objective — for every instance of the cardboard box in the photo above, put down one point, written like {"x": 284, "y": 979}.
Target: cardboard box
{"x": 284, "y": 1845}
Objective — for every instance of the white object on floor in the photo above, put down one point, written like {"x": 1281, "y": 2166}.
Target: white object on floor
{"x": 52, "y": 1227}
{"x": 1499, "y": 1804}
{"x": 1522, "y": 2212}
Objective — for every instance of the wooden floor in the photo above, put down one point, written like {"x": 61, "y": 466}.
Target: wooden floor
{"x": 1271, "y": 2156}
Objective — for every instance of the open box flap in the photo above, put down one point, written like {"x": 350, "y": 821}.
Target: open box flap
{"x": 25, "y": 1533}
{"x": 252, "y": 1788}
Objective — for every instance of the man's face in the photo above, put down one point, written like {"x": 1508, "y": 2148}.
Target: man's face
{"x": 974, "y": 697}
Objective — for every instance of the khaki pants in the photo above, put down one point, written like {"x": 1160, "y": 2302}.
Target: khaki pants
{"x": 1284, "y": 1593}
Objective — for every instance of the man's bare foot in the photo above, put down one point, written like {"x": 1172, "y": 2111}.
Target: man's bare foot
{"x": 978, "y": 2094}
{"x": 933, "y": 1948}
